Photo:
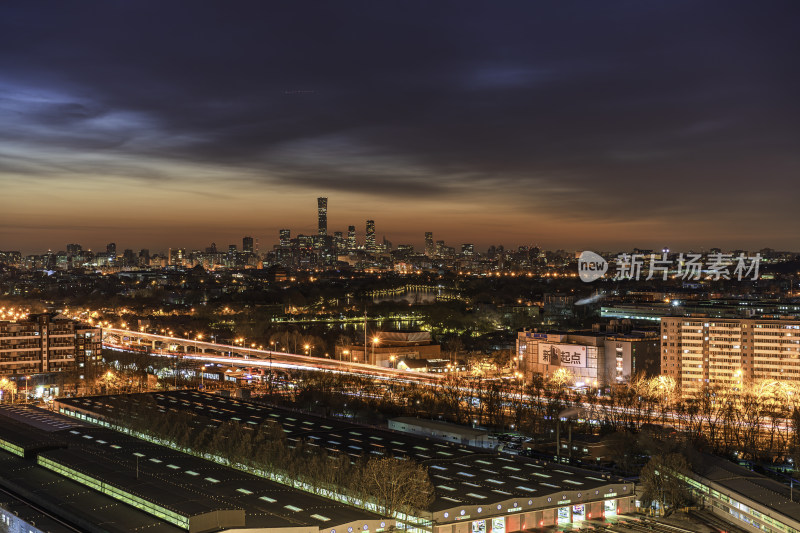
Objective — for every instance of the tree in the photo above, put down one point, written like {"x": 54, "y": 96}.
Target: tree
{"x": 397, "y": 485}
{"x": 7, "y": 389}
{"x": 660, "y": 482}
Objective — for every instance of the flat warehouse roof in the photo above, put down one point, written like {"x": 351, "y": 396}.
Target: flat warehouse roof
{"x": 437, "y": 425}
{"x": 191, "y": 485}
{"x": 461, "y": 475}
{"x": 38, "y": 418}
{"x": 21, "y": 439}
{"x": 758, "y": 488}
{"x": 72, "y": 502}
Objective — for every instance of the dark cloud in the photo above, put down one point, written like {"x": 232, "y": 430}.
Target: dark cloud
{"x": 623, "y": 109}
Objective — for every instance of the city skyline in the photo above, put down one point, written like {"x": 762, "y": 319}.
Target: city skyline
{"x": 604, "y": 127}
{"x": 422, "y": 243}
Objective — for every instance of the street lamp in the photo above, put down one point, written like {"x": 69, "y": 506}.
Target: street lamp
{"x": 391, "y": 358}
{"x": 26, "y": 388}
{"x": 109, "y": 376}
{"x": 202, "y": 375}
{"x": 306, "y": 347}
{"x": 375, "y": 340}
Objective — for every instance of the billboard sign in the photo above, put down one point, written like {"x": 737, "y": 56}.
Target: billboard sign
{"x": 570, "y": 355}
{"x": 499, "y": 525}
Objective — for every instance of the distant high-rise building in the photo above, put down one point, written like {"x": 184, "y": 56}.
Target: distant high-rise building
{"x": 176, "y": 256}
{"x": 468, "y": 249}
{"x": 430, "y": 250}
{"x": 247, "y": 245}
{"x": 369, "y": 240}
{"x": 129, "y": 258}
{"x": 111, "y": 249}
{"x": 351, "y": 237}
{"x": 322, "y": 214}
{"x": 74, "y": 249}
{"x": 144, "y": 256}
{"x": 285, "y": 238}
{"x": 338, "y": 241}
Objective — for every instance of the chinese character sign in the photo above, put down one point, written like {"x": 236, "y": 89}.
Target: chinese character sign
{"x": 562, "y": 355}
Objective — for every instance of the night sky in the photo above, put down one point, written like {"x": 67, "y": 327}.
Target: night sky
{"x": 567, "y": 124}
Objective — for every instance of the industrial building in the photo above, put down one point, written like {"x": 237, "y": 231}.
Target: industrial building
{"x": 97, "y": 479}
{"x": 474, "y": 490}
{"x": 444, "y": 431}
{"x": 749, "y": 501}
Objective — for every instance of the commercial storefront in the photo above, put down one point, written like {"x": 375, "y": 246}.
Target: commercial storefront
{"x": 552, "y": 510}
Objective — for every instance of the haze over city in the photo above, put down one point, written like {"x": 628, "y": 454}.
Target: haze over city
{"x": 598, "y": 126}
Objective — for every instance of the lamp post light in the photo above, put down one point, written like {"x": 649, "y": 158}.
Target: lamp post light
{"x": 26, "y": 388}
{"x": 202, "y": 375}
{"x": 375, "y": 340}
{"x": 109, "y": 376}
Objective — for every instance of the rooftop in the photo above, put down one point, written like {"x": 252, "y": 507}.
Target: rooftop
{"x": 438, "y": 425}
{"x": 182, "y": 483}
{"x": 756, "y": 487}
{"x": 461, "y": 475}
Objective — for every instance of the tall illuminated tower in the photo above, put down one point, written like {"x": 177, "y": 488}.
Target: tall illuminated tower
{"x": 430, "y": 250}
{"x": 247, "y": 245}
{"x": 369, "y": 241}
{"x": 285, "y": 238}
{"x": 322, "y": 214}
{"x": 351, "y": 237}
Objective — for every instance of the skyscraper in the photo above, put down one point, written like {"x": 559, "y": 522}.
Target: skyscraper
{"x": 430, "y": 250}
{"x": 369, "y": 241}
{"x": 351, "y": 237}
{"x": 111, "y": 249}
{"x": 247, "y": 245}
{"x": 285, "y": 238}
{"x": 322, "y": 214}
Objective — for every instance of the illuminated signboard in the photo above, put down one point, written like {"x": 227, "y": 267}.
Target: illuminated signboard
{"x": 479, "y": 526}
{"x": 562, "y": 355}
{"x": 498, "y": 525}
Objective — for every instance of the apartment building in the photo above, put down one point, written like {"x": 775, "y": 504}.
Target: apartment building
{"x": 700, "y": 352}
{"x": 47, "y": 343}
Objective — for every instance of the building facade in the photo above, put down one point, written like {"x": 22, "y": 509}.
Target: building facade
{"x": 322, "y": 217}
{"x": 388, "y": 348}
{"x": 369, "y": 240}
{"x": 699, "y": 352}
{"x": 47, "y": 343}
{"x": 593, "y": 359}
{"x": 444, "y": 431}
